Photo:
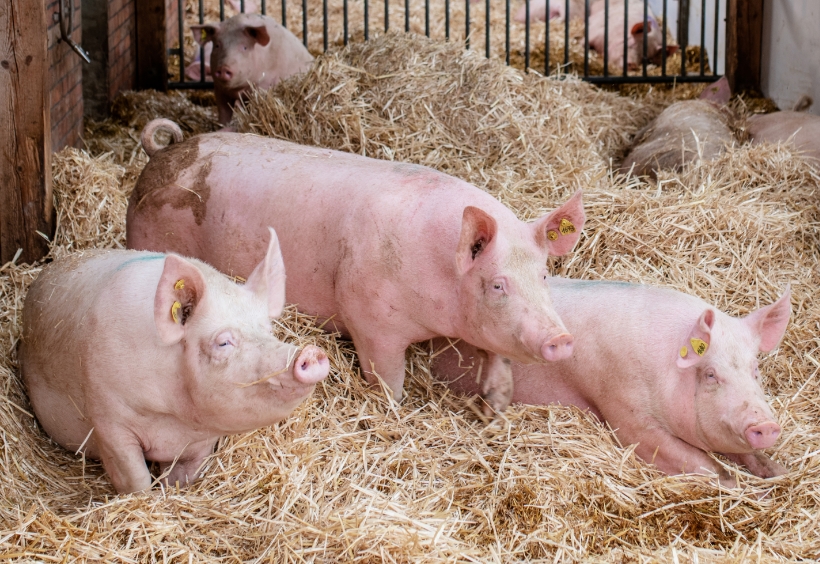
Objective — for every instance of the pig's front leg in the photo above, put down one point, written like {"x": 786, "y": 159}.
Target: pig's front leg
{"x": 184, "y": 471}
{"x": 384, "y": 356}
{"x": 224, "y": 107}
{"x": 496, "y": 384}
{"x": 122, "y": 457}
{"x": 758, "y": 464}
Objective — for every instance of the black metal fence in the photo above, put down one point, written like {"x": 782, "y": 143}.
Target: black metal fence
{"x": 703, "y": 71}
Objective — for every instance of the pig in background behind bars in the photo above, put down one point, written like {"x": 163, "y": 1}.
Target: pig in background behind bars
{"x": 389, "y": 253}
{"x": 665, "y": 370}
{"x": 129, "y": 356}
{"x": 249, "y": 49}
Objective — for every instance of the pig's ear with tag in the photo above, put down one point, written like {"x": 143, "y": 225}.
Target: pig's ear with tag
{"x": 204, "y": 33}
{"x": 267, "y": 281}
{"x": 478, "y": 229}
{"x": 259, "y": 34}
{"x": 180, "y": 290}
{"x": 560, "y": 230}
{"x": 770, "y": 322}
{"x": 697, "y": 342}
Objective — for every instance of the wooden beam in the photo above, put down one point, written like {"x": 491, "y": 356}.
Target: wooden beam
{"x": 152, "y": 54}
{"x": 25, "y": 132}
{"x": 744, "y": 44}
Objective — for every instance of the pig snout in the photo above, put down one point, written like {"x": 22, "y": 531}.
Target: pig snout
{"x": 223, "y": 73}
{"x": 311, "y": 365}
{"x": 762, "y": 435}
{"x": 557, "y": 348}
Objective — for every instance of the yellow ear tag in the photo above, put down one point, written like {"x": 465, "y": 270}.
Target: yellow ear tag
{"x": 175, "y": 311}
{"x": 566, "y": 227}
{"x": 179, "y": 285}
{"x": 204, "y": 35}
{"x": 700, "y": 346}
{"x": 552, "y": 235}
{"x": 683, "y": 352}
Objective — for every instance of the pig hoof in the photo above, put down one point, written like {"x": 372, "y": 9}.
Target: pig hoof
{"x": 496, "y": 401}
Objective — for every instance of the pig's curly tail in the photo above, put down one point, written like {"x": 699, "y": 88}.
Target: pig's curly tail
{"x": 147, "y": 138}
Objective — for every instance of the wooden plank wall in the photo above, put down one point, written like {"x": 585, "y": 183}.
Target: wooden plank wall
{"x": 744, "y": 44}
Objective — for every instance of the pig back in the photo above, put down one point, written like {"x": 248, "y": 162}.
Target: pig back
{"x": 780, "y": 127}
{"x": 684, "y": 132}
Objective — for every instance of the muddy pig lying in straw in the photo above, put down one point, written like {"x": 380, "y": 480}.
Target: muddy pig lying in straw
{"x": 684, "y": 132}
{"x": 129, "y": 356}
{"x": 249, "y": 49}
{"x": 665, "y": 370}
{"x": 389, "y": 253}
{"x": 794, "y": 126}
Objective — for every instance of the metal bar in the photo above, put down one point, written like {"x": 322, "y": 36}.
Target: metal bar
{"x": 606, "y": 37}
{"x": 702, "y": 37}
{"x": 526, "y": 36}
{"x": 386, "y": 15}
{"x": 264, "y": 8}
{"x": 626, "y": 36}
{"x": 324, "y": 25}
{"x": 507, "y": 31}
{"x": 683, "y": 33}
{"x": 586, "y": 37}
{"x": 181, "y": 29}
{"x": 427, "y": 18}
{"x": 566, "y": 34}
{"x": 487, "y": 29}
{"x": 467, "y": 23}
{"x": 304, "y": 22}
{"x": 645, "y": 30}
{"x": 201, "y": 48}
{"x": 221, "y": 9}
{"x": 366, "y": 21}
{"x": 446, "y": 18}
{"x": 406, "y": 16}
{"x": 650, "y": 79}
{"x": 663, "y": 41}
{"x": 715, "y": 59}
{"x": 344, "y": 16}
{"x": 241, "y": 6}
{"x": 284, "y": 14}
{"x": 547, "y": 42}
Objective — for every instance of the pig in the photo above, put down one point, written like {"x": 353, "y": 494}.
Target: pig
{"x": 131, "y": 356}
{"x": 664, "y": 369}
{"x": 249, "y": 49}
{"x": 557, "y": 8}
{"x": 386, "y": 253}
{"x": 686, "y": 131}
{"x": 635, "y": 27}
{"x": 801, "y": 129}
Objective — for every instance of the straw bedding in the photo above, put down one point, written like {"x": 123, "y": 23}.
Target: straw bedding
{"x": 351, "y": 476}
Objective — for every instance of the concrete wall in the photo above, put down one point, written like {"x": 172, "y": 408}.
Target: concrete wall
{"x": 791, "y": 52}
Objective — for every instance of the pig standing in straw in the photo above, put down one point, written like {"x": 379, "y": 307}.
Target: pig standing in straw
{"x": 249, "y": 49}
{"x": 665, "y": 370}
{"x": 389, "y": 253}
{"x": 129, "y": 356}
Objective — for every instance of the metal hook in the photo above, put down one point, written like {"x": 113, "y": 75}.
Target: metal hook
{"x": 65, "y": 30}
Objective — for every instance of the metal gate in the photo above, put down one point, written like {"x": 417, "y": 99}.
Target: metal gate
{"x": 585, "y": 43}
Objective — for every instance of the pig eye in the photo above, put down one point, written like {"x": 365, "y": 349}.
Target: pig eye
{"x": 224, "y": 344}
{"x": 499, "y": 287}
{"x": 710, "y": 376}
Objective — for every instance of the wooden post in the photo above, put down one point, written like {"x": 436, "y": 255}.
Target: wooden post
{"x": 152, "y": 49}
{"x": 744, "y": 44}
{"x": 25, "y": 132}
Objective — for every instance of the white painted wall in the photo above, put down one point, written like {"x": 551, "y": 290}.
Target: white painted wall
{"x": 791, "y": 52}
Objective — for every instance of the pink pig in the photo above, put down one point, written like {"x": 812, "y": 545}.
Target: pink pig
{"x": 389, "y": 253}
{"x": 801, "y": 129}
{"x": 666, "y": 370}
{"x": 129, "y": 356}
{"x": 538, "y": 10}
{"x": 635, "y": 33}
{"x": 249, "y": 49}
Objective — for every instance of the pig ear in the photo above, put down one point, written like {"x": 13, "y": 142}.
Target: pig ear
{"x": 204, "y": 33}
{"x": 478, "y": 229}
{"x": 719, "y": 92}
{"x": 770, "y": 322}
{"x": 259, "y": 33}
{"x": 267, "y": 280}
{"x": 698, "y": 341}
{"x": 638, "y": 27}
{"x": 179, "y": 292}
{"x": 560, "y": 230}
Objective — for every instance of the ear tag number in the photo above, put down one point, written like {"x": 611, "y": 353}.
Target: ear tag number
{"x": 684, "y": 351}
{"x": 552, "y": 235}
{"x": 566, "y": 227}
{"x": 699, "y": 346}
{"x": 179, "y": 285}
{"x": 175, "y": 311}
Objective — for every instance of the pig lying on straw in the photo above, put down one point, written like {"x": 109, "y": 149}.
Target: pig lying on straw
{"x": 665, "y": 370}
{"x": 387, "y": 253}
{"x": 133, "y": 356}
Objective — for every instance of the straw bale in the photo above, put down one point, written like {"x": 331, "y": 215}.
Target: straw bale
{"x": 353, "y": 476}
